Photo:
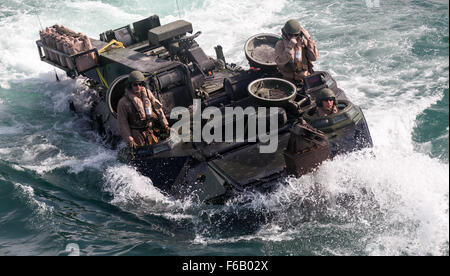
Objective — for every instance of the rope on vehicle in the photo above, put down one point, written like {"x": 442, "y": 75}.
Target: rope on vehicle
{"x": 102, "y": 78}
{"x": 113, "y": 43}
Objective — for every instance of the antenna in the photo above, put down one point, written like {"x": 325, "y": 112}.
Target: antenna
{"x": 39, "y": 21}
{"x": 178, "y": 7}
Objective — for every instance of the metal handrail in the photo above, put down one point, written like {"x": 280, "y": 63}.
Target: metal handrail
{"x": 70, "y": 72}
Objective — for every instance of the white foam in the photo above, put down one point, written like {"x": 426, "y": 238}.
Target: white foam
{"x": 19, "y": 58}
{"x": 128, "y": 187}
{"x": 268, "y": 233}
{"x": 5, "y": 151}
{"x": 40, "y": 156}
{"x": 95, "y": 161}
{"x": 27, "y": 193}
{"x": 17, "y": 168}
{"x": 232, "y": 24}
{"x": 411, "y": 191}
{"x": 74, "y": 165}
{"x": 4, "y": 130}
{"x": 52, "y": 163}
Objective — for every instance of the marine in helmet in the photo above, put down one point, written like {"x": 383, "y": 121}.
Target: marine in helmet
{"x": 326, "y": 103}
{"x": 295, "y": 52}
{"x": 139, "y": 113}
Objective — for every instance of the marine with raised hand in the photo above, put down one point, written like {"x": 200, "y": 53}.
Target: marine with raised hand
{"x": 295, "y": 52}
{"x": 138, "y": 113}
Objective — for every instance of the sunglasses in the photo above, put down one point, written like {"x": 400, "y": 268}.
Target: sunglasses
{"x": 136, "y": 84}
{"x": 328, "y": 100}
{"x": 296, "y": 35}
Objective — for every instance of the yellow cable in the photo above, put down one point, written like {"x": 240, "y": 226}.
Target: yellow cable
{"x": 113, "y": 43}
{"x": 102, "y": 78}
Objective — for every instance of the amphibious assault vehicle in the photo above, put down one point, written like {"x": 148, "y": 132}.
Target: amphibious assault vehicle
{"x": 181, "y": 75}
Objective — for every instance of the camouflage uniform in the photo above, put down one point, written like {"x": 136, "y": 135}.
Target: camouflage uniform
{"x": 295, "y": 69}
{"x": 134, "y": 124}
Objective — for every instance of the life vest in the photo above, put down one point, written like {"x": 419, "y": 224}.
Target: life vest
{"x": 302, "y": 64}
{"x": 144, "y": 110}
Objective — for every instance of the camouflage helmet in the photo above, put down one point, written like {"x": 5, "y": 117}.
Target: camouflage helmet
{"x": 325, "y": 93}
{"x": 136, "y": 76}
{"x": 292, "y": 27}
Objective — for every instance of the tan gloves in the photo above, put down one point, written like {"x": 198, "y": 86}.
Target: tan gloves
{"x": 132, "y": 143}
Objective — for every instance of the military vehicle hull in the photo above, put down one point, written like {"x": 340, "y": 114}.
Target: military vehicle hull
{"x": 178, "y": 73}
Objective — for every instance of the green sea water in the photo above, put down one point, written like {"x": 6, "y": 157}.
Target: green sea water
{"x": 60, "y": 185}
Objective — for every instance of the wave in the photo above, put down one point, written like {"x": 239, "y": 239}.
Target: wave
{"x": 390, "y": 200}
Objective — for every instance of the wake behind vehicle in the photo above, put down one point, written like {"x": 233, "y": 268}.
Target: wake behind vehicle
{"x": 183, "y": 77}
